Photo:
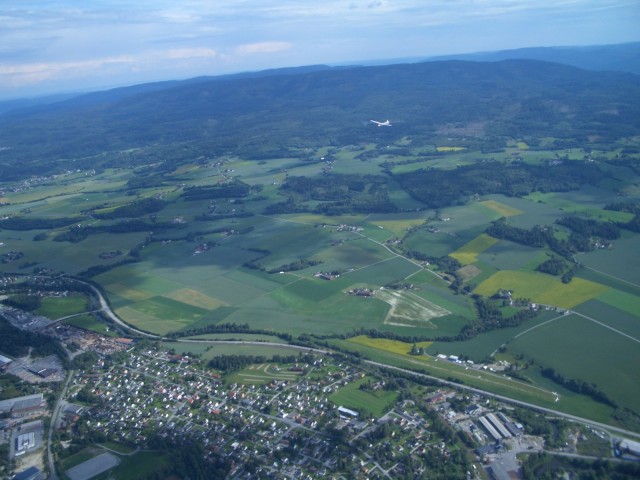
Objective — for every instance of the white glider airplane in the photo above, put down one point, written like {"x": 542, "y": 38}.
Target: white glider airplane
{"x": 381, "y": 124}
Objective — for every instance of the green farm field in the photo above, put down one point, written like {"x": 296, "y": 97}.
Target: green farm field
{"x": 588, "y": 201}
{"x": 612, "y": 314}
{"x": 486, "y": 344}
{"x": 89, "y": 322}
{"x": 579, "y": 348}
{"x": 58, "y": 307}
{"x": 620, "y": 262}
{"x": 259, "y": 267}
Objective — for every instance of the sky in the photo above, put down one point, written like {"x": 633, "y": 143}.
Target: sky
{"x": 53, "y": 46}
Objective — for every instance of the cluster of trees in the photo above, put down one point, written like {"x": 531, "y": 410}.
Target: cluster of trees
{"x": 552, "y": 266}
{"x": 440, "y": 188}
{"x": 628, "y": 206}
{"x": 232, "y": 363}
{"x": 30, "y": 223}
{"x": 86, "y": 396}
{"x": 95, "y": 270}
{"x": 79, "y": 233}
{"x": 17, "y": 343}
{"x": 557, "y": 266}
{"x": 535, "y": 237}
{"x": 631, "y": 207}
{"x": 134, "y": 210}
{"x": 337, "y": 193}
{"x": 85, "y": 360}
{"x": 542, "y": 466}
{"x": 541, "y": 236}
{"x": 633, "y": 224}
{"x": 579, "y": 386}
{"x": 297, "y": 265}
{"x": 490, "y": 318}
{"x": 445, "y": 263}
{"x": 233, "y": 189}
{"x": 590, "y": 228}
{"x": 188, "y": 460}
{"x": 226, "y": 328}
{"x": 6, "y": 464}
{"x": 23, "y": 301}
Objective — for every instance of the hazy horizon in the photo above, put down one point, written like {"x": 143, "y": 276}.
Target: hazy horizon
{"x": 67, "y": 46}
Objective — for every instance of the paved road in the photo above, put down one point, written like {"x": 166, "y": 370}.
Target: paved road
{"x": 54, "y": 419}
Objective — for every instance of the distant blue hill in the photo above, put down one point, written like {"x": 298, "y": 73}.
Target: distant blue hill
{"x": 623, "y": 57}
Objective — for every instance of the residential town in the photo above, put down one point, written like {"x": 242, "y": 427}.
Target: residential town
{"x": 305, "y": 415}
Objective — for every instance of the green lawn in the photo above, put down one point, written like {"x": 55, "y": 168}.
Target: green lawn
{"x": 372, "y": 403}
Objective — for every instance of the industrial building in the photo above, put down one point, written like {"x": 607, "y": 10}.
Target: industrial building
{"x": 26, "y": 406}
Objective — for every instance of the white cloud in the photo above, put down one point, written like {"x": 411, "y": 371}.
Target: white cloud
{"x": 30, "y": 73}
{"x": 263, "y": 47}
{"x": 186, "y": 53}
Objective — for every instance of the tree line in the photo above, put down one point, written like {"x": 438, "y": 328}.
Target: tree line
{"x": 233, "y": 363}
{"x": 579, "y": 386}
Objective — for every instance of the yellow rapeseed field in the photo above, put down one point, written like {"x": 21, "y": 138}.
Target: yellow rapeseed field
{"x": 393, "y": 346}
{"x": 501, "y": 208}
{"x": 541, "y": 288}
{"x": 468, "y": 253}
{"x": 450, "y": 149}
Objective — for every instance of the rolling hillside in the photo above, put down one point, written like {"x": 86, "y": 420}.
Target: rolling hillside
{"x": 259, "y": 116}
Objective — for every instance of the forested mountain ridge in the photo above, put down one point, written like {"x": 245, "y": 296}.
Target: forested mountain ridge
{"x": 623, "y": 57}
{"x": 261, "y": 115}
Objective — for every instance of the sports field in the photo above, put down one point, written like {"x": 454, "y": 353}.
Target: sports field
{"x": 263, "y": 373}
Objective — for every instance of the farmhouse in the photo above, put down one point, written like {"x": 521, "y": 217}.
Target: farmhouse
{"x": 361, "y": 292}
{"x": 326, "y": 276}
